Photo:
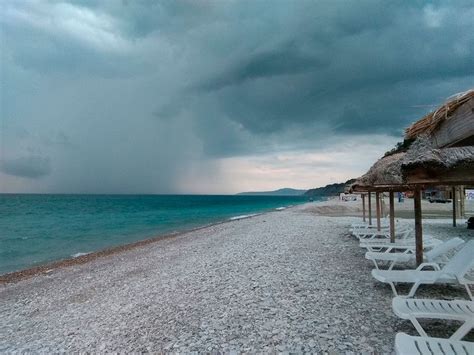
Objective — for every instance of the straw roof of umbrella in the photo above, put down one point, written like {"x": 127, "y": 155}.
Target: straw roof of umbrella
{"x": 423, "y": 163}
{"x": 432, "y": 121}
{"x": 386, "y": 171}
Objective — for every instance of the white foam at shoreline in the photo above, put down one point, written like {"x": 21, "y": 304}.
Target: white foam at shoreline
{"x": 79, "y": 254}
{"x": 236, "y": 218}
{"x": 280, "y": 208}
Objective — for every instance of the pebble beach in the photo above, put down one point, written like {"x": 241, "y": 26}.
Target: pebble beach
{"x": 292, "y": 280}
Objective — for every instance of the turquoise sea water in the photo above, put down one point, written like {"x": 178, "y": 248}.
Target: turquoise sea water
{"x": 35, "y": 229}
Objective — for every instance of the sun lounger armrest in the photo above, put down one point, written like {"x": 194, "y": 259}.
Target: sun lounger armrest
{"x": 433, "y": 265}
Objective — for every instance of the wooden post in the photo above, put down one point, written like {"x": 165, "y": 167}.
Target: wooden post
{"x": 392, "y": 218}
{"x": 363, "y": 207}
{"x": 418, "y": 228}
{"x": 377, "y": 207}
{"x": 370, "y": 208}
{"x": 462, "y": 204}
{"x": 382, "y": 205}
{"x": 454, "y": 206}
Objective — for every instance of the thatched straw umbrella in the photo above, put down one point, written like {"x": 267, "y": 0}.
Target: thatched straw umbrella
{"x": 425, "y": 164}
{"x": 385, "y": 171}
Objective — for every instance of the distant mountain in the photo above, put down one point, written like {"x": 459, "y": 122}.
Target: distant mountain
{"x": 279, "y": 192}
{"x": 328, "y": 190}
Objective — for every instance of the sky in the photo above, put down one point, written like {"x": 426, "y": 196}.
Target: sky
{"x": 217, "y": 97}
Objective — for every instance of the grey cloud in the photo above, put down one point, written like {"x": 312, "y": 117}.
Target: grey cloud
{"x": 47, "y": 38}
{"x": 31, "y": 167}
{"x": 163, "y": 84}
{"x": 374, "y": 69}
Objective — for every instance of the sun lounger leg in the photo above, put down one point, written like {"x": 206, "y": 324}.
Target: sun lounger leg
{"x": 413, "y": 290}
{"x": 418, "y": 327}
{"x": 375, "y": 263}
{"x": 392, "y": 264}
{"x": 392, "y": 285}
{"x": 469, "y": 292}
{"x": 462, "y": 331}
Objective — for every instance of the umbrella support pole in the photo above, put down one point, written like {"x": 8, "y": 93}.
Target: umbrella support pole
{"x": 418, "y": 227}
{"x": 377, "y": 207}
{"x": 392, "y": 218}
{"x": 370, "y": 208}
{"x": 363, "y": 207}
{"x": 454, "y": 206}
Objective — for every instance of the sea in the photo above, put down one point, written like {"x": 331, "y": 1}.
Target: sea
{"x": 36, "y": 229}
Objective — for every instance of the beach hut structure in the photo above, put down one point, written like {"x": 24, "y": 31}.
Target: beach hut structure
{"x": 438, "y": 150}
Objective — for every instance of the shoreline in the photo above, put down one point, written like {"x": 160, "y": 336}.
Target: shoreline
{"x": 330, "y": 207}
{"x": 265, "y": 284}
{"x": 45, "y": 269}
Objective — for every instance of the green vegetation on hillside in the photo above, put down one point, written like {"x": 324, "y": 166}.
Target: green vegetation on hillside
{"x": 329, "y": 190}
{"x": 400, "y": 147}
{"x": 279, "y": 192}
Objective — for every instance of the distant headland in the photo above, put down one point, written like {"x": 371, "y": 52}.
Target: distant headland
{"x": 328, "y": 190}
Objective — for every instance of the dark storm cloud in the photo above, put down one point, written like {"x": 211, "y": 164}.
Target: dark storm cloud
{"x": 352, "y": 73}
{"x": 286, "y": 59}
{"x": 163, "y": 84}
{"x": 32, "y": 167}
{"x": 359, "y": 69}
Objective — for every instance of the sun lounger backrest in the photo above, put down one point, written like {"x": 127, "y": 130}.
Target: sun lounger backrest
{"x": 462, "y": 262}
{"x": 443, "y": 248}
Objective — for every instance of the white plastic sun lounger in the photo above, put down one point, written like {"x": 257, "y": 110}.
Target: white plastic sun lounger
{"x": 453, "y": 273}
{"x": 376, "y": 236}
{"x": 438, "y": 252}
{"x": 407, "y": 245}
{"x": 368, "y": 230}
{"x": 362, "y": 225}
{"x": 363, "y": 233}
{"x": 368, "y": 234}
{"x": 409, "y": 345}
{"x": 414, "y": 309}
{"x": 383, "y": 220}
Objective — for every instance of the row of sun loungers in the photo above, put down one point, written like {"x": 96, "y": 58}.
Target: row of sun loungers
{"x": 437, "y": 268}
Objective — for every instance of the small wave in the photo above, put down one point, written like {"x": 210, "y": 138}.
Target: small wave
{"x": 280, "y": 208}
{"x": 79, "y": 254}
{"x": 236, "y": 218}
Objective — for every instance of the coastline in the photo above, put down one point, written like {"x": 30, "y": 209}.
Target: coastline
{"x": 264, "y": 284}
{"x": 47, "y": 268}
{"x": 331, "y": 207}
